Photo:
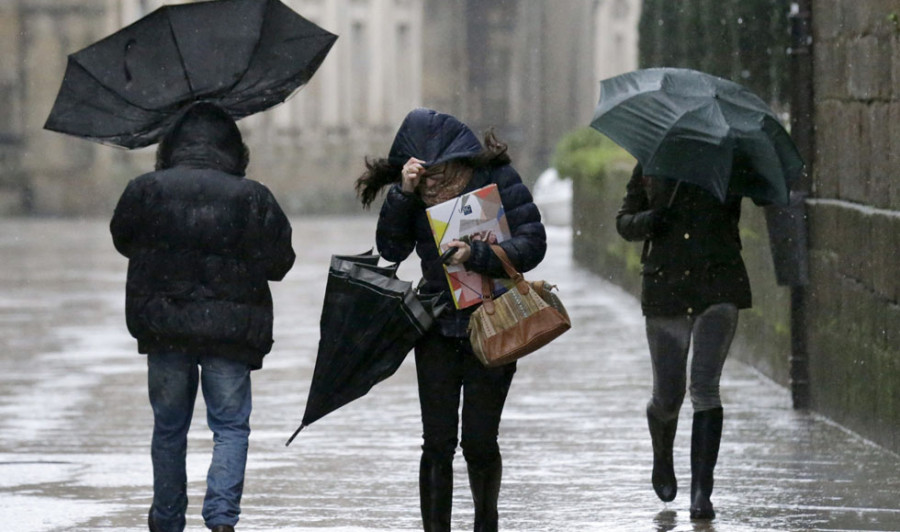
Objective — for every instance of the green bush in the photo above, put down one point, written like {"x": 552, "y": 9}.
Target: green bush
{"x": 585, "y": 154}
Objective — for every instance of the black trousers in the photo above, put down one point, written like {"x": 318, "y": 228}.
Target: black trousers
{"x": 447, "y": 369}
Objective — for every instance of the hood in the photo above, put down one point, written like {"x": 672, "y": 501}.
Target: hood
{"x": 434, "y": 138}
{"x": 204, "y": 136}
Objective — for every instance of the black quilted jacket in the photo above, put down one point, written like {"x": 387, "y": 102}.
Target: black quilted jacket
{"x": 696, "y": 261}
{"x": 202, "y": 245}
{"x": 403, "y": 226}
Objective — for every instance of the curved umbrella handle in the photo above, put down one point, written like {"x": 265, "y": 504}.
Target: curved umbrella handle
{"x": 672, "y": 198}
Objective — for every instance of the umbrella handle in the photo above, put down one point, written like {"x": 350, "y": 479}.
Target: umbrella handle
{"x": 294, "y": 435}
{"x": 672, "y": 198}
{"x": 647, "y": 251}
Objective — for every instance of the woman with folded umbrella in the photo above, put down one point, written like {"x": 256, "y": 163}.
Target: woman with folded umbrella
{"x": 435, "y": 158}
{"x": 694, "y": 283}
{"x": 203, "y": 242}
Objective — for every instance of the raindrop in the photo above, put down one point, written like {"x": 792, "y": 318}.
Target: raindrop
{"x": 740, "y": 20}
{"x": 745, "y": 74}
{"x": 578, "y": 232}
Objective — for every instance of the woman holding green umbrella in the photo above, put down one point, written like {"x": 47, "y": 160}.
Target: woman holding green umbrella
{"x": 694, "y": 283}
{"x": 703, "y": 143}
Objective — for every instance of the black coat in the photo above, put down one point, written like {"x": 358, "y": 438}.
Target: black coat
{"x": 202, "y": 245}
{"x": 692, "y": 261}
{"x": 403, "y": 225}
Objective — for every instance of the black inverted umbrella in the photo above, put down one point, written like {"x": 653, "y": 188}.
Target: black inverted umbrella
{"x": 243, "y": 55}
{"x": 691, "y": 126}
{"x": 370, "y": 322}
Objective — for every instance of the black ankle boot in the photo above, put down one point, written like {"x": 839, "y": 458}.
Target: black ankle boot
{"x": 705, "y": 437}
{"x": 662, "y": 434}
{"x": 485, "y": 485}
{"x": 436, "y": 492}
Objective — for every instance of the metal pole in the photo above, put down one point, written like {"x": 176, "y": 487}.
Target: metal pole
{"x": 802, "y": 131}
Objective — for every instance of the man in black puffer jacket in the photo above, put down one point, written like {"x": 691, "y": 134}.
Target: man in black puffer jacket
{"x": 202, "y": 242}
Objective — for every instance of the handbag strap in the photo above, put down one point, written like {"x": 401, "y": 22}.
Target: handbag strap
{"x": 487, "y": 293}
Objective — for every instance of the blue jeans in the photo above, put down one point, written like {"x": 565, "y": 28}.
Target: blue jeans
{"x": 172, "y": 383}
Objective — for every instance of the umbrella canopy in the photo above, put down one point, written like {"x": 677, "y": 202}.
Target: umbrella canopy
{"x": 370, "y": 322}
{"x": 691, "y": 126}
{"x": 243, "y": 55}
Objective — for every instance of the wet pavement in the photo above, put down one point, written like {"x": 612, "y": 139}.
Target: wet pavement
{"x": 75, "y": 423}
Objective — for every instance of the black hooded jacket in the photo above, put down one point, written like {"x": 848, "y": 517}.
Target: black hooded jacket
{"x": 403, "y": 225}
{"x": 202, "y": 244}
{"x": 694, "y": 259}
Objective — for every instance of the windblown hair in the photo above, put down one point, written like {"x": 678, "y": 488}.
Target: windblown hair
{"x": 204, "y": 136}
{"x": 381, "y": 173}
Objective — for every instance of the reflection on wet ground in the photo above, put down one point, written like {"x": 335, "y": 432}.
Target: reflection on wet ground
{"x": 75, "y": 423}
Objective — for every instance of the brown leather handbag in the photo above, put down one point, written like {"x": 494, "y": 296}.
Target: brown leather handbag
{"x": 523, "y": 319}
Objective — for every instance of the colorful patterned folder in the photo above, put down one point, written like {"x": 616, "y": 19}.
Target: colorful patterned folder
{"x": 477, "y": 215}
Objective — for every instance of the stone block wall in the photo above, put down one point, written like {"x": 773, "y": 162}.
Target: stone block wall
{"x": 853, "y": 325}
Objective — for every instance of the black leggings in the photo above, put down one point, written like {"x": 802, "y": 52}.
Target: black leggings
{"x": 445, "y": 367}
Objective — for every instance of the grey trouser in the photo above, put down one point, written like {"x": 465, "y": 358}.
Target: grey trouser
{"x": 670, "y": 339}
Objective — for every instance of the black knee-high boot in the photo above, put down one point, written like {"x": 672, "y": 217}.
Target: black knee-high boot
{"x": 705, "y": 437}
{"x": 485, "y": 485}
{"x": 436, "y": 492}
{"x": 662, "y": 434}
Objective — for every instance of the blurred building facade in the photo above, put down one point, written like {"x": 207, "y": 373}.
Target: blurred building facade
{"x": 302, "y": 148}
{"x": 528, "y": 68}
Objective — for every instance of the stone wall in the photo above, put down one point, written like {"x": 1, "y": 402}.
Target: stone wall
{"x": 854, "y": 322}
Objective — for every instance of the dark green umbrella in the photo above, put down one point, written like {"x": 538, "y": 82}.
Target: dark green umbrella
{"x": 690, "y": 126}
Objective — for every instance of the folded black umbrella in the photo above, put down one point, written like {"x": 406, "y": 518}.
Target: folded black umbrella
{"x": 370, "y": 321}
{"x": 341, "y": 294}
{"x": 243, "y": 55}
